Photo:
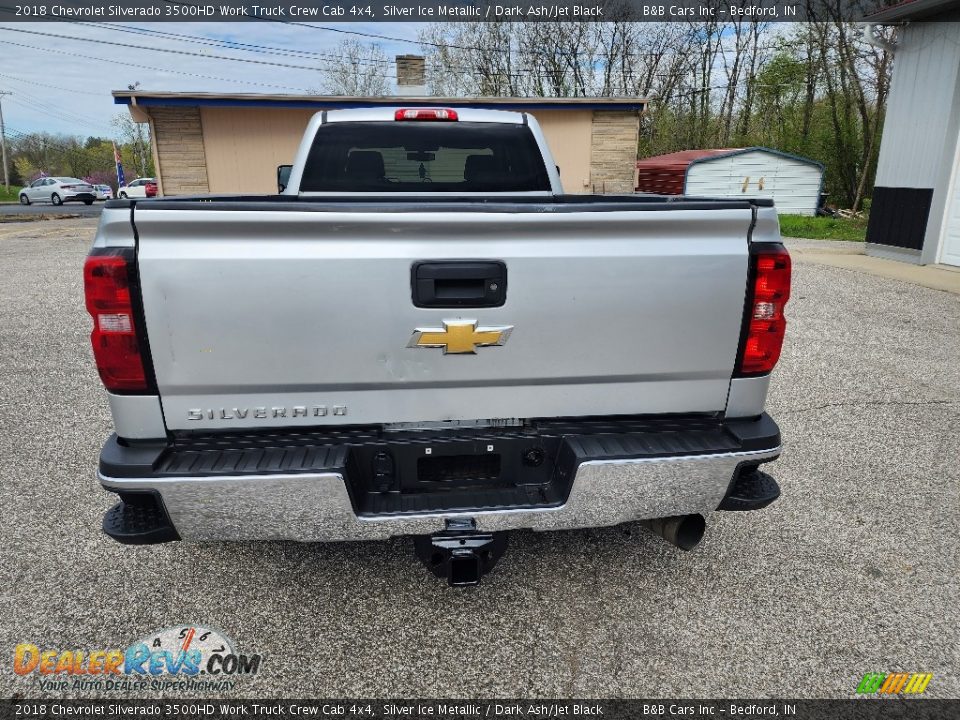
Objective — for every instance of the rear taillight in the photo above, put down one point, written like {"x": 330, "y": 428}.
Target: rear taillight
{"x": 116, "y": 348}
{"x": 442, "y": 114}
{"x": 768, "y": 294}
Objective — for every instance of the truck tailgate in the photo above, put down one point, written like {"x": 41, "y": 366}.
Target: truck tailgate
{"x": 284, "y": 317}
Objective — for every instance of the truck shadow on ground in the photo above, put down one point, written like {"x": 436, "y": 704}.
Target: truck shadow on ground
{"x": 532, "y": 559}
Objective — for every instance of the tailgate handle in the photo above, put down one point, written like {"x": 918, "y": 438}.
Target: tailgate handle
{"x": 459, "y": 283}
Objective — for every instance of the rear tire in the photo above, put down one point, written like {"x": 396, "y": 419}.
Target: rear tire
{"x": 24, "y": 200}
{"x": 88, "y": 202}
{"x": 56, "y": 200}
{"x": 123, "y": 196}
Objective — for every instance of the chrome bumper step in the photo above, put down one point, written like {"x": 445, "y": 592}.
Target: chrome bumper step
{"x": 371, "y": 484}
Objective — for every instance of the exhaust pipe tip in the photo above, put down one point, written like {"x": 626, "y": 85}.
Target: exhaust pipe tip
{"x": 682, "y": 531}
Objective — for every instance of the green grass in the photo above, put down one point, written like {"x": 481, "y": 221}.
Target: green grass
{"x": 8, "y": 196}
{"x": 823, "y": 228}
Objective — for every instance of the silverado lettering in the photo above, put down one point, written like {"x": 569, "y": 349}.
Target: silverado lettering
{"x": 260, "y": 413}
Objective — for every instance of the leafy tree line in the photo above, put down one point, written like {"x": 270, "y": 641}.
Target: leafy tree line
{"x": 40, "y": 153}
{"x": 816, "y": 89}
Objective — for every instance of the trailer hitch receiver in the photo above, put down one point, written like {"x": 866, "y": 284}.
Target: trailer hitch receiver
{"x": 460, "y": 554}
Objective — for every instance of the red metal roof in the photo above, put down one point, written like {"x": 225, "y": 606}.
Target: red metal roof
{"x": 666, "y": 174}
{"x": 682, "y": 158}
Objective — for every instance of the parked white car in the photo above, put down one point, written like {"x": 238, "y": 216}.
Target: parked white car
{"x": 137, "y": 188}
{"x": 58, "y": 190}
{"x": 104, "y": 192}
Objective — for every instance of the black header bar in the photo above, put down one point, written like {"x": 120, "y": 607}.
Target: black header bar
{"x": 894, "y": 708}
{"x": 340, "y": 11}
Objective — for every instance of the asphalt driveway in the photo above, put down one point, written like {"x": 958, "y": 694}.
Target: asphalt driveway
{"x": 854, "y": 570}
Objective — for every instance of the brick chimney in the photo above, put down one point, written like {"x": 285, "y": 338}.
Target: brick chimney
{"x": 411, "y": 75}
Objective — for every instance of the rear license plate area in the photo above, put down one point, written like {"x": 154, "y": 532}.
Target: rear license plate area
{"x": 459, "y": 471}
{"x": 406, "y": 465}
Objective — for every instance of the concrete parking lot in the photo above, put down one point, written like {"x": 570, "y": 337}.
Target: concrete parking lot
{"x": 854, "y": 570}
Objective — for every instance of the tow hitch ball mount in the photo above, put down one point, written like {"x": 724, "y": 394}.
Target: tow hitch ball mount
{"x": 460, "y": 554}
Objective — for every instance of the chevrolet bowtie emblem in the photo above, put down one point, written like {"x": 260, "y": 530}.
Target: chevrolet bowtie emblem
{"x": 459, "y": 336}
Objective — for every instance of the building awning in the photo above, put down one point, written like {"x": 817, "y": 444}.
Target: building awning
{"x": 329, "y": 102}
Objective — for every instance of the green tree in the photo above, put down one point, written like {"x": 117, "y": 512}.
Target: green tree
{"x": 135, "y": 138}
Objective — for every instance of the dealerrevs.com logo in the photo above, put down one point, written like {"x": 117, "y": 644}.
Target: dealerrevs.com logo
{"x": 185, "y": 657}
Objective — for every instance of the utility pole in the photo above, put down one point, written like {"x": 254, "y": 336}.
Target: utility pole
{"x": 3, "y": 146}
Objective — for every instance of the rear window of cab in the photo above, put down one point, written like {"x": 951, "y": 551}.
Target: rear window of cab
{"x": 424, "y": 157}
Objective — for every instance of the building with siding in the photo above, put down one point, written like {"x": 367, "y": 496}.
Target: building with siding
{"x": 915, "y": 211}
{"x": 793, "y": 182}
{"x": 215, "y": 143}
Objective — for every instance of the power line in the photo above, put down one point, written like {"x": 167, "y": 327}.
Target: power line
{"x": 205, "y": 56}
{"x": 48, "y": 138}
{"x": 263, "y": 49}
{"x": 374, "y": 36}
{"x": 231, "y": 44}
{"x": 223, "y": 44}
{"x": 452, "y": 46}
{"x": 82, "y": 128}
{"x": 154, "y": 68}
{"x": 26, "y": 103}
{"x": 35, "y": 103}
{"x": 52, "y": 87}
{"x": 249, "y": 47}
{"x": 49, "y": 113}
{"x": 45, "y": 138}
{"x": 167, "y": 50}
{"x": 267, "y": 49}
{"x": 42, "y": 103}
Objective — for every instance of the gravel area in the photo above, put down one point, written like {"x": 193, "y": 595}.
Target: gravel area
{"x": 854, "y": 570}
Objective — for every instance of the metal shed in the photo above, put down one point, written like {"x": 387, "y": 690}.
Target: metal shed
{"x": 792, "y": 181}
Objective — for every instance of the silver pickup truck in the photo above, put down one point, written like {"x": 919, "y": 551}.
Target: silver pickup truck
{"x": 422, "y": 335}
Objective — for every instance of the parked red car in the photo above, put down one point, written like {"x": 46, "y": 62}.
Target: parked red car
{"x": 151, "y": 188}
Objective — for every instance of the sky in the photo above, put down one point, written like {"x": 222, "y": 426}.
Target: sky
{"x": 63, "y": 85}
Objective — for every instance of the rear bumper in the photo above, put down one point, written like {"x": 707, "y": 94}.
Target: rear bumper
{"x": 311, "y": 489}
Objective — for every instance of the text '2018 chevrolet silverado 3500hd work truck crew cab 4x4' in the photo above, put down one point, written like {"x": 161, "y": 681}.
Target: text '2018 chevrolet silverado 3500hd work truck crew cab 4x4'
{"x": 422, "y": 335}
